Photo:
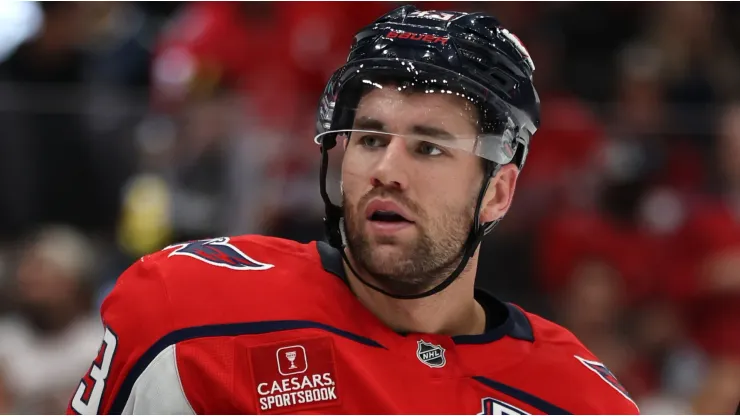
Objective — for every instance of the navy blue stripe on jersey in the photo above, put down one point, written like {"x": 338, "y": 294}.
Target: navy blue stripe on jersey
{"x": 522, "y": 327}
{"x": 534, "y": 401}
{"x": 517, "y": 326}
{"x": 221, "y": 330}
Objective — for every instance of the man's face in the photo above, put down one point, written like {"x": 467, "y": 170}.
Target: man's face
{"x": 433, "y": 188}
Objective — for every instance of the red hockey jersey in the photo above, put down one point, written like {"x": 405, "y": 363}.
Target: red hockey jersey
{"x": 258, "y": 325}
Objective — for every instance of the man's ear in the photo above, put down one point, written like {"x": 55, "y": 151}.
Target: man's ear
{"x": 499, "y": 194}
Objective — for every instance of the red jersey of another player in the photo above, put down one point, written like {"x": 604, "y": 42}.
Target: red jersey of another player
{"x": 257, "y": 325}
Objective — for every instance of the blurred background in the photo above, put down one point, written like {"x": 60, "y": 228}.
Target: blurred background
{"x": 125, "y": 127}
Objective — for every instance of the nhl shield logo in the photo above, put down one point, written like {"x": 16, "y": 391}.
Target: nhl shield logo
{"x": 430, "y": 354}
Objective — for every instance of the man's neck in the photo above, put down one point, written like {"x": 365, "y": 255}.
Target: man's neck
{"x": 452, "y": 311}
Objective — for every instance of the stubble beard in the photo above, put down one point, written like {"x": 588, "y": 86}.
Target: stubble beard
{"x": 413, "y": 266}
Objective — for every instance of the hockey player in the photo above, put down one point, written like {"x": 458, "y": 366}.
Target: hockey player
{"x": 432, "y": 116}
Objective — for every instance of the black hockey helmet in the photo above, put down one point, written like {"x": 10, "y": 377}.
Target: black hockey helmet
{"x": 468, "y": 54}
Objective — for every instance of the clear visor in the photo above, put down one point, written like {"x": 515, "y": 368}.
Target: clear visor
{"x": 496, "y": 148}
{"x": 362, "y": 156}
{"x": 406, "y": 135}
{"x": 427, "y": 110}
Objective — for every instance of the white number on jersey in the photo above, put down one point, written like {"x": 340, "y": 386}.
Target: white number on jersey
{"x": 99, "y": 375}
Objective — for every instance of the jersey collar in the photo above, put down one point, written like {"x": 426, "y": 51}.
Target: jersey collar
{"x": 502, "y": 318}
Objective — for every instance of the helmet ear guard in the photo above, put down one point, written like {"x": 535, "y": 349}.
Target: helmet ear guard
{"x": 469, "y": 55}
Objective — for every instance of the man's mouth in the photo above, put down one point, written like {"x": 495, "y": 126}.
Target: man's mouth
{"x": 387, "y": 216}
{"x": 387, "y": 212}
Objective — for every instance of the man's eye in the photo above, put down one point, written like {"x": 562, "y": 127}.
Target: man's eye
{"x": 429, "y": 149}
{"x": 372, "y": 141}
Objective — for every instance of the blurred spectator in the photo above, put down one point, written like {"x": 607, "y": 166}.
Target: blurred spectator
{"x": 564, "y": 160}
{"x": 710, "y": 252}
{"x": 705, "y": 277}
{"x": 699, "y": 66}
{"x": 122, "y": 45}
{"x": 60, "y": 172}
{"x": 590, "y": 34}
{"x": 258, "y": 48}
{"x": 720, "y": 393}
{"x": 46, "y": 344}
{"x": 603, "y": 257}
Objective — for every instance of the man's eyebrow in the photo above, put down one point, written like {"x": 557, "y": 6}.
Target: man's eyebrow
{"x": 369, "y": 123}
{"x": 433, "y": 132}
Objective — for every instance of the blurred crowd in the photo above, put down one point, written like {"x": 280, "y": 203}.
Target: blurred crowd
{"x": 125, "y": 127}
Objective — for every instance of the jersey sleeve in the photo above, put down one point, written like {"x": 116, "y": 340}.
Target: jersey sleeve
{"x": 598, "y": 389}
{"x": 574, "y": 378}
{"x": 136, "y": 315}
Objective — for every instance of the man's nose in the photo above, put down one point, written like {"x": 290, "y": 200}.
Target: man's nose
{"x": 391, "y": 170}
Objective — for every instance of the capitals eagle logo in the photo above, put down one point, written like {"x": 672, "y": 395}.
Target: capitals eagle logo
{"x": 218, "y": 252}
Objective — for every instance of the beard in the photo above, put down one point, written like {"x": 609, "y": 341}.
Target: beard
{"x": 414, "y": 266}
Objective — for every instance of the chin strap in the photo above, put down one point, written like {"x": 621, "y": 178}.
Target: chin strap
{"x": 335, "y": 229}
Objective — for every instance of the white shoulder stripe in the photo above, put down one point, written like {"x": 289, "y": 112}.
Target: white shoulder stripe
{"x": 158, "y": 390}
